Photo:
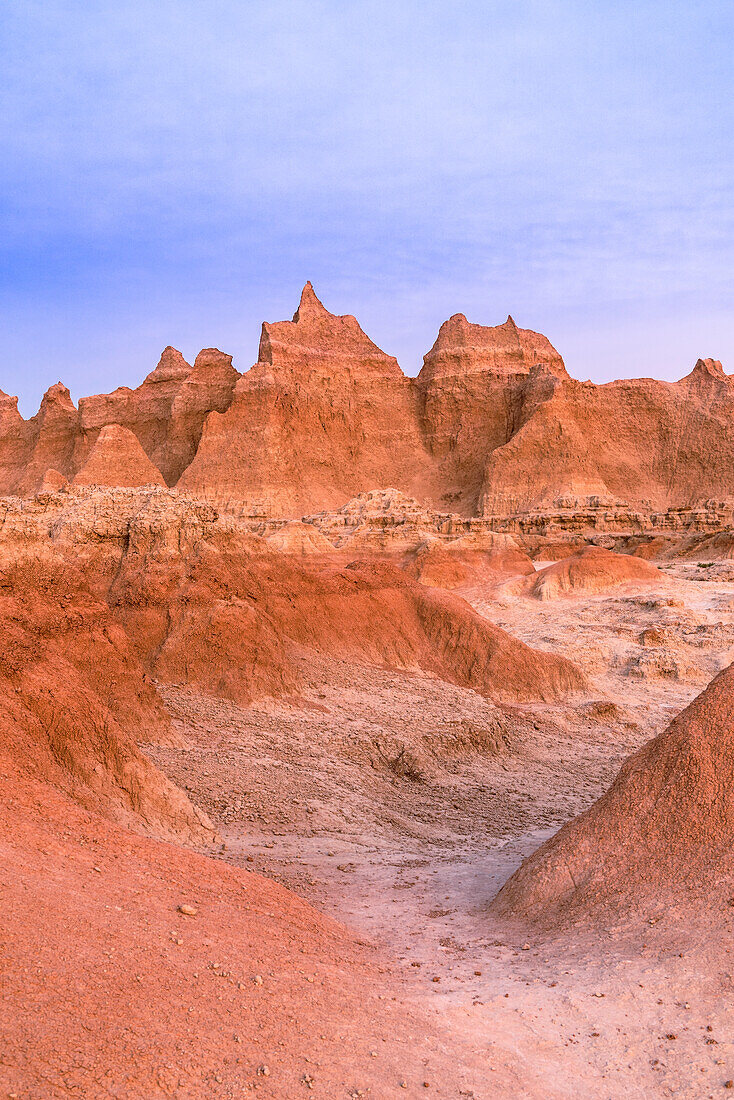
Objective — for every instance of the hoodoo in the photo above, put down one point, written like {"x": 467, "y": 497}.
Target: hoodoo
{"x": 323, "y": 415}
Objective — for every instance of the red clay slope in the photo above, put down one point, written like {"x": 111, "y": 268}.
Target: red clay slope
{"x": 235, "y": 621}
{"x": 108, "y": 991}
{"x": 456, "y": 565}
{"x": 591, "y": 571}
{"x": 661, "y": 837}
{"x": 74, "y": 702}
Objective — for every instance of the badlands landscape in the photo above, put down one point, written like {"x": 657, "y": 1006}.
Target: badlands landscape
{"x": 366, "y": 735}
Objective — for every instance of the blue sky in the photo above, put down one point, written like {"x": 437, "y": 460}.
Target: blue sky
{"x": 174, "y": 172}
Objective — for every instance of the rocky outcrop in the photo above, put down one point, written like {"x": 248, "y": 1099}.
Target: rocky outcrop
{"x": 478, "y": 385}
{"x": 641, "y": 443}
{"x": 117, "y": 458}
{"x": 166, "y": 412}
{"x": 492, "y": 426}
{"x": 323, "y": 415}
{"x": 49, "y": 439}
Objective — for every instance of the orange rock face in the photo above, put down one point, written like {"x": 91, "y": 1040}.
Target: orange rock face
{"x": 651, "y": 444}
{"x": 492, "y": 426}
{"x": 116, "y": 458}
{"x": 592, "y": 570}
{"x": 323, "y": 415}
{"x": 167, "y": 411}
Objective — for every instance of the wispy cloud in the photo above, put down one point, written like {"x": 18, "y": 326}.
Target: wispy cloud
{"x": 174, "y": 172}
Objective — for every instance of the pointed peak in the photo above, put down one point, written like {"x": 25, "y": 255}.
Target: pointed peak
{"x": 710, "y": 366}
{"x": 510, "y": 323}
{"x": 52, "y": 482}
{"x": 309, "y": 305}
{"x": 172, "y": 367}
{"x": 453, "y": 328}
{"x": 9, "y": 412}
{"x": 58, "y": 394}
{"x": 707, "y": 368}
{"x": 117, "y": 458}
{"x": 210, "y": 359}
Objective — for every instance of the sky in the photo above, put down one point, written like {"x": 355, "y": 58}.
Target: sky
{"x": 172, "y": 173}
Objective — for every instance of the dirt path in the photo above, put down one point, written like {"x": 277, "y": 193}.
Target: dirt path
{"x": 400, "y": 804}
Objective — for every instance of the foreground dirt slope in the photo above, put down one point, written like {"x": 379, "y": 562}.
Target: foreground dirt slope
{"x": 662, "y": 835}
{"x": 109, "y": 991}
{"x": 108, "y": 988}
{"x": 415, "y": 752}
{"x": 492, "y": 425}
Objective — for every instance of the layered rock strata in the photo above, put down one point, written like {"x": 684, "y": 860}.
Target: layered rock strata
{"x": 493, "y": 426}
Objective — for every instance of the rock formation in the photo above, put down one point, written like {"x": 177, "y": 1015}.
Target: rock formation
{"x": 116, "y": 458}
{"x": 654, "y": 445}
{"x": 167, "y": 411}
{"x": 493, "y": 425}
{"x": 323, "y": 415}
{"x": 478, "y": 386}
{"x": 591, "y": 571}
{"x": 299, "y": 538}
{"x": 455, "y": 565}
{"x": 661, "y": 836}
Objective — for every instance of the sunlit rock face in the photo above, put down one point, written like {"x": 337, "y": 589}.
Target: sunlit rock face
{"x": 492, "y": 426}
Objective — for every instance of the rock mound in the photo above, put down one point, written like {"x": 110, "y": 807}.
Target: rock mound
{"x": 117, "y": 458}
{"x": 591, "y": 571}
{"x": 660, "y": 837}
{"x": 299, "y": 538}
{"x": 454, "y": 565}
